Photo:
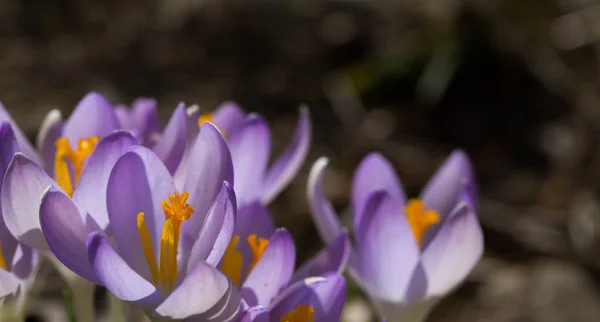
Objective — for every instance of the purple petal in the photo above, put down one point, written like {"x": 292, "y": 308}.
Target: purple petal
{"x": 387, "y": 249}
{"x": 50, "y": 131}
{"x": 65, "y": 232}
{"x": 252, "y": 219}
{"x": 22, "y": 189}
{"x": 116, "y": 275}
{"x": 444, "y": 188}
{"x": 146, "y": 120}
{"x": 374, "y": 173}
{"x": 454, "y": 251}
{"x": 287, "y": 165}
{"x": 210, "y": 164}
{"x": 273, "y": 270}
{"x": 216, "y": 231}
{"x": 93, "y": 116}
{"x": 327, "y": 297}
{"x": 24, "y": 262}
{"x": 24, "y": 143}
{"x": 201, "y": 290}
{"x": 228, "y": 117}
{"x": 138, "y": 183}
{"x": 125, "y": 117}
{"x": 171, "y": 145}
{"x": 332, "y": 259}
{"x": 90, "y": 193}
{"x": 328, "y": 225}
{"x": 9, "y": 284}
{"x": 250, "y": 148}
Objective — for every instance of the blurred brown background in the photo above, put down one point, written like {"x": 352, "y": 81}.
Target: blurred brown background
{"x": 514, "y": 83}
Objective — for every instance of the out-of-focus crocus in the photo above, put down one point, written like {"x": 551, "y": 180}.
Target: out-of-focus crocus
{"x": 17, "y": 261}
{"x": 249, "y": 139}
{"x": 94, "y": 117}
{"x": 165, "y": 240}
{"x": 312, "y": 299}
{"x": 260, "y": 259}
{"x": 407, "y": 253}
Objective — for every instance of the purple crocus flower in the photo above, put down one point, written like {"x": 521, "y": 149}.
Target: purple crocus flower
{"x": 407, "y": 253}
{"x": 260, "y": 259}
{"x": 17, "y": 261}
{"x": 249, "y": 139}
{"x": 141, "y": 119}
{"x": 164, "y": 241}
{"x": 311, "y": 299}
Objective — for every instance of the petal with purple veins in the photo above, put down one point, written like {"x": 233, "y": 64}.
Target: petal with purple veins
{"x": 138, "y": 183}
{"x": 171, "y": 144}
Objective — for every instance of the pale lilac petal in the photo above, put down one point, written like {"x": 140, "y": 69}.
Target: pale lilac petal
{"x": 171, "y": 144}
{"x": 116, "y": 275}
{"x": 273, "y": 270}
{"x": 146, "y": 120}
{"x": 9, "y": 284}
{"x": 65, "y": 232}
{"x": 327, "y": 223}
{"x": 332, "y": 259}
{"x": 125, "y": 117}
{"x": 21, "y": 195}
{"x": 138, "y": 183}
{"x": 201, "y": 290}
{"x": 216, "y": 231}
{"x": 287, "y": 165}
{"x": 93, "y": 116}
{"x": 252, "y": 219}
{"x": 50, "y": 131}
{"x": 23, "y": 141}
{"x": 209, "y": 165}
{"x": 374, "y": 173}
{"x": 228, "y": 117}
{"x": 443, "y": 190}
{"x": 454, "y": 251}
{"x": 250, "y": 148}
{"x": 327, "y": 297}
{"x": 388, "y": 252}
{"x": 24, "y": 262}
{"x": 90, "y": 193}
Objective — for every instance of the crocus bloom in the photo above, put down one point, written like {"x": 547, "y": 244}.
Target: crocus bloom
{"x": 313, "y": 299}
{"x": 249, "y": 139}
{"x": 142, "y": 120}
{"x": 407, "y": 253}
{"x": 260, "y": 259}
{"x": 167, "y": 239}
{"x": 17, "y": 261}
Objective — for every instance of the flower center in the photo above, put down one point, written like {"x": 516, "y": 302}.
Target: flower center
{"x": 176, "y": 211}
{"x": 76, "y": 157}
{"x": 302, "y": 313}
{"x": 233, "y": 259}
{"x": 420, "y": 218}
{"x": 2, "y": 261}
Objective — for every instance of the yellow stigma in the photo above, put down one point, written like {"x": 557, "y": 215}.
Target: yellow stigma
{"x": 2, "y": 261}
{"x": 77, "y": 157}
{"x": 258, "y": 247}
{"x": 233, "y": 259}
{"x": 176, "y": 211}
{"x": 302, "y": 313}
{"x": 419, "y": 218}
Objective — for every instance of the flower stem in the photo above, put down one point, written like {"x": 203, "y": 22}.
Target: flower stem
{"x": 116, "y": 309}
{"x": 82, "y": 292}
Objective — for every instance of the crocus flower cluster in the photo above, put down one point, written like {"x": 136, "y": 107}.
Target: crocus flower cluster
{"x": 175, "y": 220}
